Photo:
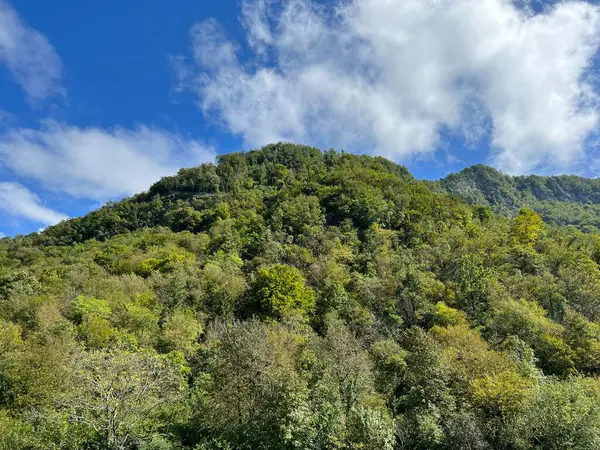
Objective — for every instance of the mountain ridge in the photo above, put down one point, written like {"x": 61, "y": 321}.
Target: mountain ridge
{"x": 560, "y": 200}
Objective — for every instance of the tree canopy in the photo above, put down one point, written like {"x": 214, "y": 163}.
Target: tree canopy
{"x": 289, "y": 298}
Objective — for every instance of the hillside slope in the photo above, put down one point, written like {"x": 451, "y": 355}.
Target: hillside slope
{"x": 288, "y": 298}
{"x": 259, "y": 175}
{"x": 560, "y": 200}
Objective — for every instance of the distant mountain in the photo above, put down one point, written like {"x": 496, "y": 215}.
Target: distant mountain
{"x": 560, "y": 200}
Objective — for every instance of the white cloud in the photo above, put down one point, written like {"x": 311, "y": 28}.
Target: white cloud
{"x": 31, "y": 60}
{"x": 18, "y": 201}
{"x": 5, "y": 118}
{"x": 95, "y": 163}
{"x": 388, "y": 76}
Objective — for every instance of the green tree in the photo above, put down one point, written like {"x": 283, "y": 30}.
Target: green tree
{"x": 528, "y": 321}
{"x": 121, "y": 396}
{"x": 280, "y": 291}
{"x": 527, "y": 227}
{"x": 564, "y": 415}
{"x": 250, "y": 392}
{"x": 180, "y": 331}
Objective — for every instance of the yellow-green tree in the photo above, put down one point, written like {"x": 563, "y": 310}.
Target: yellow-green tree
{"x": 527, "y": 227}
{"x": 280, "y": 292}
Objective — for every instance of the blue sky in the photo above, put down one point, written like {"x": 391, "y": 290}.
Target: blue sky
{"x": 100, "y": 99}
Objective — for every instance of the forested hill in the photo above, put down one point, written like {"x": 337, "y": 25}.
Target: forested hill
{"x": 348, "y": 186}
{"x": 288, "y": 298}
{"x": 560, "y": 200}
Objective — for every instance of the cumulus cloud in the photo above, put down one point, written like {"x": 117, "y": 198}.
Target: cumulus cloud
{"x": 18, "y": 201}
{"x": 390, "y": 76}
{"x": 31, "y": 60}
{"x": 95, "y": 163}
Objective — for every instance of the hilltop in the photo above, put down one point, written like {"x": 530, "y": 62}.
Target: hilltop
{"x": 560, "y": 200}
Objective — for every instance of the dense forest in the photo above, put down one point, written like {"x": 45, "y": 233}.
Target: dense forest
{"x": 560, "y": 200}
{"x": 289, "y": 298}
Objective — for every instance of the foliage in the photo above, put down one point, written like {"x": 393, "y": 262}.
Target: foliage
{"x": 119, "y": 395}
{"x": 280, "y": 292}
{"x": 288, "y": 298}
{"x": 527, "y": 227}
{"x": 560, "y": 200}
